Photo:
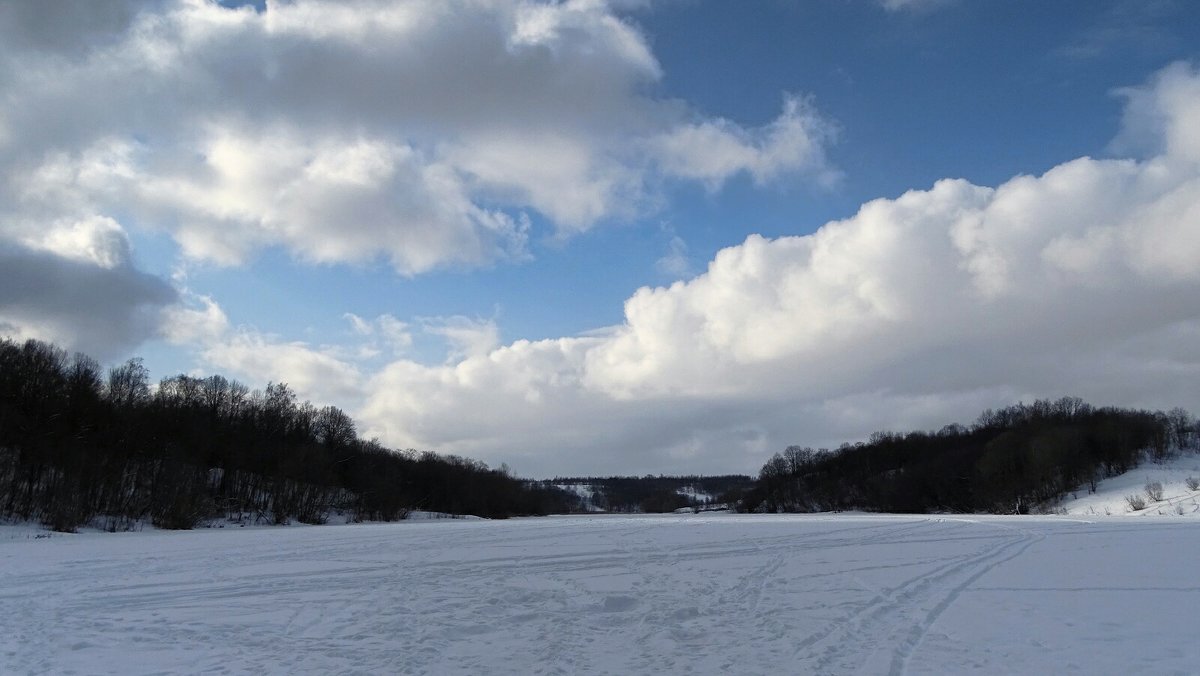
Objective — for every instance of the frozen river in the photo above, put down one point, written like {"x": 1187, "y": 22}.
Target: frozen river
{"x": 836, "y": 594}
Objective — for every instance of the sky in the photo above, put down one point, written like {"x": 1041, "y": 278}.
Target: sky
{"x": 624, "y": 237}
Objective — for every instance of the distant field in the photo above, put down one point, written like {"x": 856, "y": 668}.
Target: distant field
{"x": 612, "y": 594}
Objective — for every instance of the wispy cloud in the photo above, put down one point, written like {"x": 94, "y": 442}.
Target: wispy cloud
{"x": 913, "y": 5}
{"x": 676, "y": 262}
{"x": 1140, "y": 26}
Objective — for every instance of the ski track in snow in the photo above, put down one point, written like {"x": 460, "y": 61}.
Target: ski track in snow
{"x": 823, "y": 594}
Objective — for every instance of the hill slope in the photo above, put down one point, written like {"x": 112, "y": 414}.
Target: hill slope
{"x": 1112, "y": 496}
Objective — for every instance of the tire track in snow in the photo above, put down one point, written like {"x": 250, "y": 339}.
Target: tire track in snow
{"x": 912, "y": 642}
{"x": 844, "y": 654}
{"x": 637, "y": 596}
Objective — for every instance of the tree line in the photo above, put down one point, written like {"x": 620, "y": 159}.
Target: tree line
{"x": 658, "y": 494}
{"x": 79, "y": 444}
{"x": 1013, "y": 460}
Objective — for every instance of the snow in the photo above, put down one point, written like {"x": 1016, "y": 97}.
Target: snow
{"x": 696, "y": 495}
{"x": 1110, "y": 496}
{"x": 586, "y": 494}
{"x": 421, "y": 515}
{"x": 701, "y": 594}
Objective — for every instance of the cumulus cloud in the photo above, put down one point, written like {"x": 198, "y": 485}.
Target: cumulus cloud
{"x": 1159, "y": 118}
{"x": 319, "y": 374}
{"x": 97, "y": 240}
{"x": 465, "y": 336}
{"x": 712, "y": 151}
{"x": 102, "y": 309}
{"x": 195, "y": 320}
{"x": 422, "y": 132}
{"x": 426, "y": 132}
{"x": 915, "y": 311}
{"x": 75, "y": 26}
{"x": 328, "y": 200}
{"x": 385, "y": 330}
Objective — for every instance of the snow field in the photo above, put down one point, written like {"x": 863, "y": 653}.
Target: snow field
{"x": 700, "y": 594}
{"x": 1110, "y": 496}
{"x": 586, "y": 492}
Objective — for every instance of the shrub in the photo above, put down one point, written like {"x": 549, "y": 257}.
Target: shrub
{"x": 1135, "y": 502}
{"x": 1193, "y": 483}
{"x": 1154, "y": 491}
{"x": 180, "y": 500}
{"x": 182, "y": 511}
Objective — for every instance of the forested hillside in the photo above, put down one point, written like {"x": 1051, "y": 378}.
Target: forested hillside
{"x": 77, "y": 443}
{"x": 1015, "y": 460}
{"x": 650, "y": 494}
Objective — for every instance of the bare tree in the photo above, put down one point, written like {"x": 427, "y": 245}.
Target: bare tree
{"x": 129, "y": 384}
{"x": 1154, "y": 490}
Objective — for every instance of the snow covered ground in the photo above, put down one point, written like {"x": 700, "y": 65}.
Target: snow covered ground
{"x": 588, "y": 494}
{"x": 699, "y": 594}
{"x": 1111, "y": 495}
{"x": 585, "y": 492}
{"x": 696, "y": 495}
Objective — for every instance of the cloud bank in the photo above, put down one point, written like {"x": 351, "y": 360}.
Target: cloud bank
{"x": 913, "y": 312}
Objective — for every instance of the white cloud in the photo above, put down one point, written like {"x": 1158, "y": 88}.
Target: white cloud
{"x": 317, "y": 374}
{"x": 915, "y": 311}
{"x": 466, "y": 337}
{"x": 393, "y": 333}
{"x": 559, "y": 176}
{"x": 201, "y": 321}
{"x": 423, "y": 131}
{"x": 419, "y": 131}
{"x": 1160, "y": 117}
{"x": 676, "y": 262}
{"x": 97, "y": 240}
{"x": 361, "y": 326}
{"x": 712, "y": 151}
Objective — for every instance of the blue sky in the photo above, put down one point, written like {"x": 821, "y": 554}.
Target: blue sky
{"x": 487, "y": 228}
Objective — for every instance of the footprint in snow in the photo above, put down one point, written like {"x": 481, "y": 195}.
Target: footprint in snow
{"x": 619, "y": 604}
